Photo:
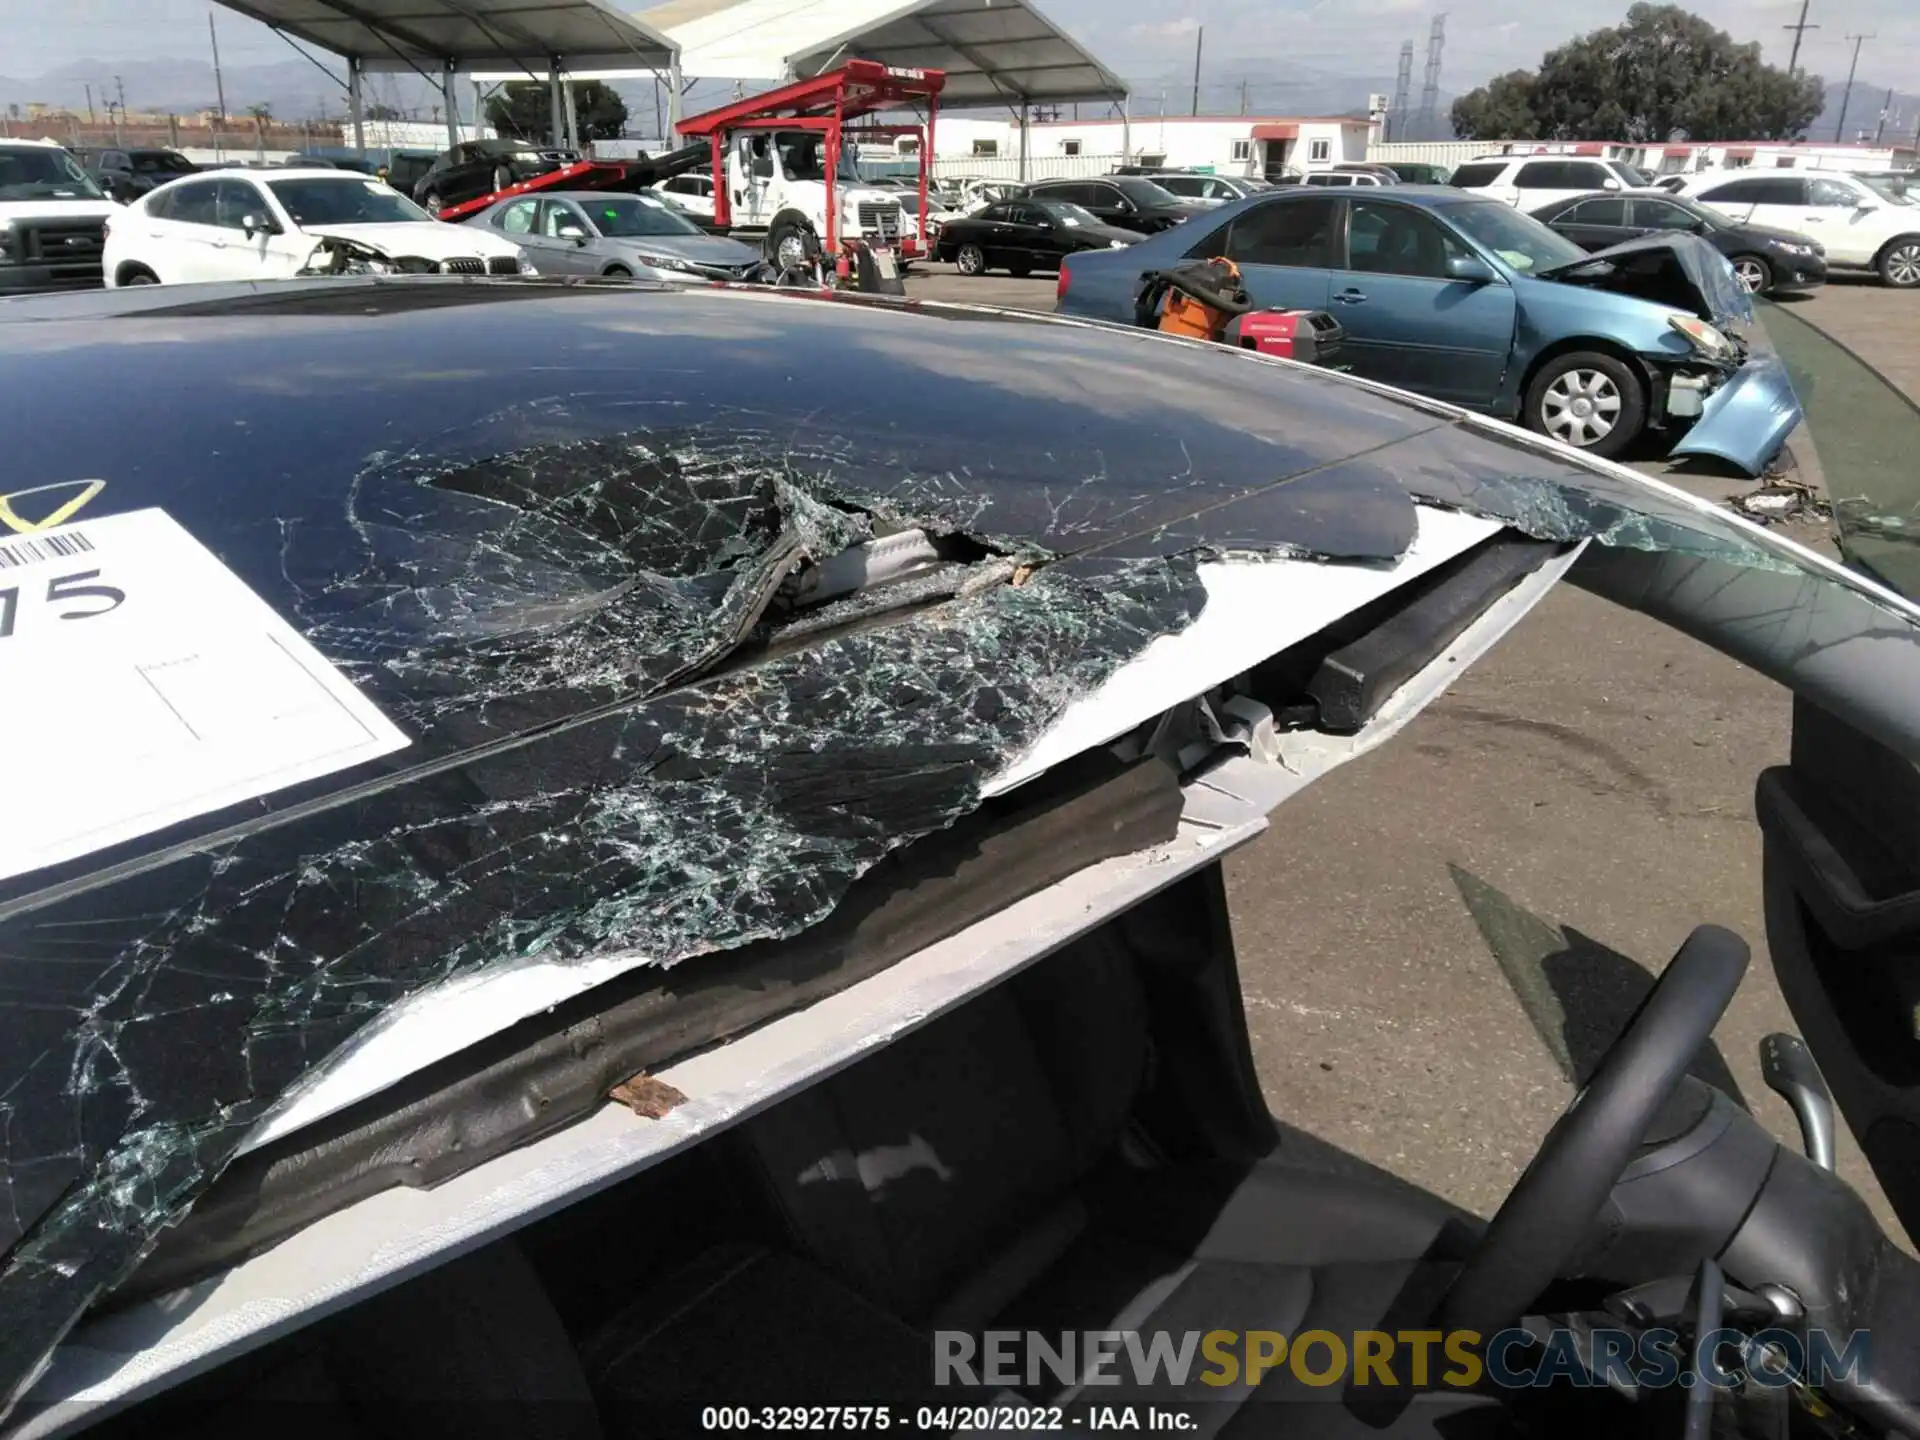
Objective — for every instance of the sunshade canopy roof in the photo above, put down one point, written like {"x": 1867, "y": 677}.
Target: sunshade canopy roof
{"x": 993, "y": 51}
{"x": 427, "y": 35}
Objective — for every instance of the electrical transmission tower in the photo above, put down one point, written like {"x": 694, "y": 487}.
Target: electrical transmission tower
{"x": 1430, "y": 87}
{"x": 1402, "y": 92}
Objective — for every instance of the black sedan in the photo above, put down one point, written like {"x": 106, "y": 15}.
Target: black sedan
{"x": 1765, "y": 260}
{"x": 480, "y": 167}
{"x": 1025, "y": 235}
{"x": 1130, "y": 202}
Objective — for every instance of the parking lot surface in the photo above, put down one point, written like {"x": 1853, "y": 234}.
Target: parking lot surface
{"x": 1551, "y": 828}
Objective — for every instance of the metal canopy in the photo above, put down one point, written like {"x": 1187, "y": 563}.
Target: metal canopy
{"x": 994, "y": 52}
{"x": 428, "y": 36}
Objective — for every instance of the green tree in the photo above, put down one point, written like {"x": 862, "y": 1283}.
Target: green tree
{"x": 524, "y": 109}
{"x": 384, "y": 112}
{"x": 1664, "y": 74}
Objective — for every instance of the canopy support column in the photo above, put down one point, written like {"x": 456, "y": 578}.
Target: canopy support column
{"x": 355, "y": 110}
{"x": 573, "y": 116}
{"x": 451, "y": 94}
{"x": 553, "y": 98}
{"x": 1024, "y": 110}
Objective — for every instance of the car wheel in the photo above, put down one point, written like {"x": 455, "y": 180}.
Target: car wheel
{"x": 1020, "y": 271}
{"x": 433, "y": 204}
{"x": 502, "y": 177}
{"x": 1752, "y": 273}
{"x": 140, "y": 277}
{"x": 1587, "y": 400}
{"x": 1900, "y": 263}
{"x": 971, "y": 260}
{"x": 792, "y": 247}
{"x": 617, "y": 272}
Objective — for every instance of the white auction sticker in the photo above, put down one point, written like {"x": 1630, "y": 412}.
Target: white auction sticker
{"x": 143, "y": 683}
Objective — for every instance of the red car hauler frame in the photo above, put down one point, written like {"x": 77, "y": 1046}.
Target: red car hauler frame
{"x": 824, "y": 104}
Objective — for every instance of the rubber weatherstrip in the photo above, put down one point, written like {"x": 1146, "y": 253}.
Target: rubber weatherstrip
{"x": 552, "y": 1069}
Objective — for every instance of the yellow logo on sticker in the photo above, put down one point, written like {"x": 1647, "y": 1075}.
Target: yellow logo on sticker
{"x": 78, "y": 492}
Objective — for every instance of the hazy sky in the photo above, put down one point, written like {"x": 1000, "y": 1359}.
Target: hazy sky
{"x": 1148, "y": 41}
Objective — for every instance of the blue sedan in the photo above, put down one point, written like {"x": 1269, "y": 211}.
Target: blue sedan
{"x": 1470, "y": 301}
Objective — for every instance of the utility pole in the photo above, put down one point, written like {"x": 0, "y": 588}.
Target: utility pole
{"x": 1430, "y": 88}
{"x": 1847, "y": 94}
{"x": 1199, "y": 36}
{"x": 89, "y": 104}
{"x": 1793, "y": 60}
{"x": 219, "y": 85}
{"x": 1886, "y": 107}
{"x": 1243, "y": 94}
{"x": 120, "y": 89}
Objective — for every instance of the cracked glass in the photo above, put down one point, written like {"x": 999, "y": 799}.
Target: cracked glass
{"x": 557, "y": 541}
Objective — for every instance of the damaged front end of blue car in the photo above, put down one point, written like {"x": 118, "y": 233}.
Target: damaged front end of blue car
{"x": 1726, "y": 397}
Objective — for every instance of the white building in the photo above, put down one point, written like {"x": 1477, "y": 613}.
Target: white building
{"x": 1254, "y": 145}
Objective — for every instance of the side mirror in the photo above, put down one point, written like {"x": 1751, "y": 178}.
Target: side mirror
{"x": 252, "y": 225}
{"x": 574, "y": 233}
{"x": 1470, "y": 268}
{"x": 1609, "y": 184}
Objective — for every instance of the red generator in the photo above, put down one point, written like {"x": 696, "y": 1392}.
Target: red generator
{"x": 1312, "y": 337}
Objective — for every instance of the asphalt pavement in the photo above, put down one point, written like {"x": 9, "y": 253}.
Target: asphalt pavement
{"x": 1437, "y": 937}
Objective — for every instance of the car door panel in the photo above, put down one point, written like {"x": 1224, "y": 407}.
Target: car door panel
{"x": 1834, "y": 217}
{"x": 1409, "y": 325}
{"x": 1842, "y": 904}
{"x": 183, "y": 241}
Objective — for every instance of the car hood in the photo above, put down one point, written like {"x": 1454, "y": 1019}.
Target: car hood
{"x": 1097, "y": 236}
{"x": 1670, "y": 268}
{"x": 538, "y": 556}
{"x": 716, "y": 251}
{"x": 429, "y": 239}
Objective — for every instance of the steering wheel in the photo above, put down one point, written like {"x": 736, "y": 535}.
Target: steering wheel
{"x": 1552, "y": 1207}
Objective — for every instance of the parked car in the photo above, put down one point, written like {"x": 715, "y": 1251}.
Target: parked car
{"x": 406, "y": 168}
{"x": 1528, "y": 182}
{"x": 1025, "y": 235}
{"x": 475, "y": 168}
{"x": 691, "y": 192}
{"x": 1386, "y": 174}
{"x": 1415, "y": 172}
{"x": 1859, "y": 226}
{"x": 275, "y": 224}
{"x": 1470, "y": 301}
{"x": 1206, "y": 189}
{"x": 1127, "y": 202}
{"x": 53, "y": 218}
{"x": 1764, "y": 260}
{"x": 1346, "y": 179}
{"x": 594, "y": 232}
{"x": 702, "y": 884}
{"x": 127, "y": 174}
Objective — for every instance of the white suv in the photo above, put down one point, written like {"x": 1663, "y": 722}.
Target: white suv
{"x": 52, "y": 219}
{"x": 1858, "y": 223}
{"x": 1528, "y": 182}
{"x": 230, "y": 225}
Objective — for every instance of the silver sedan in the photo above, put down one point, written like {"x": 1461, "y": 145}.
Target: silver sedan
{"x": 598, "y": 232}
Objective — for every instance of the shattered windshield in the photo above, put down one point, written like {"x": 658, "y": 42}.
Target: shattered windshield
{"x": 40, "y": 172}
{"x": 553, "y": 537}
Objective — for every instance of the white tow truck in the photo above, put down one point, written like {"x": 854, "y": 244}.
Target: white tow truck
{"x": 773, "y": 154}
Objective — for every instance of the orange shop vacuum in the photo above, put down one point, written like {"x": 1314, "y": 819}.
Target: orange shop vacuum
{"x": 1205, "y": 300}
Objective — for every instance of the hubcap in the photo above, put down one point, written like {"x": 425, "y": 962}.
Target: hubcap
{"x": 970, "y": 260}
{"x": 1581, "y": 407}
{"x": 1748, "y": 275}
{"x": 1903, "y": 265}
{"x": 435, "y": 204}
{"x": 792, "y": 251}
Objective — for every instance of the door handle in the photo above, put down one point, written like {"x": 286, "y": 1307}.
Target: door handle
{"x": 1351, "y": 297}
